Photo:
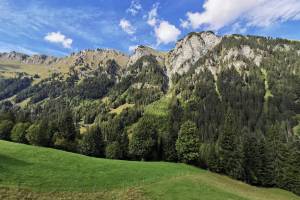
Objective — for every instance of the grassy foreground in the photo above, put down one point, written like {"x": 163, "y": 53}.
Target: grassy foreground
{"x": 28, "y": 172}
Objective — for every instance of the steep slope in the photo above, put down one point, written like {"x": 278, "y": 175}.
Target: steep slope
{"x": 189, "y": 50}
{"x": 142, "y": 51}
{"x": 40, "y": 173}
{"x": 240, "y": 94}
{"x": 14, "y": 64}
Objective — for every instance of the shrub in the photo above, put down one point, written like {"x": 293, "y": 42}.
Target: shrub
{"x": 18, "y": 133}
{"x": 5, "y": 128}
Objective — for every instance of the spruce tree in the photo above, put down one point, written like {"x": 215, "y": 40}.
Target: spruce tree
{"x": 277, "y": 143}
{"x": 292, "y": 172}
{"x": 266, "y": 168}
{"x": 188, "y": 143}
{"x": 169, "y": 140}
{"x": 251, "y": 157}
{"x": 230, "y": 148}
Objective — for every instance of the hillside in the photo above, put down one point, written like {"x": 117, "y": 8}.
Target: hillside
{"x": 41, "y": 173}
{"x": 229, "y": 104}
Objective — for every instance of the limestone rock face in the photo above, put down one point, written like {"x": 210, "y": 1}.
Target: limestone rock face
{"x": 26, "y": 59}
{"x": 141, "y": 51}
{"x": 95, "y": 57}
{"x": 189, "y": 50}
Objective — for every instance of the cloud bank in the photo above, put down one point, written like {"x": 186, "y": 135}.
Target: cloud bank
{"x": 252, "y": 13}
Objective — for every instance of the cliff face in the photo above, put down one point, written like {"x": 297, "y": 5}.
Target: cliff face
{"x": 141, "y": 51}
{"x": 219, "y": 51}
{"x": 189, "y": 50}
{"x": 186, "y": 52}
{"x": 26, "y": 59}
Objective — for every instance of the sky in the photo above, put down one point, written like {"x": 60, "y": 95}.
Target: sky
{"x": 59, "y": 27}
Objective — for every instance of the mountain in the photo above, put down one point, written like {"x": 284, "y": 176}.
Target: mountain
{"x": 230, "y": 104}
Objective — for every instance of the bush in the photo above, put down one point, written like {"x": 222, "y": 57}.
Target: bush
{"x": 143, "y": 144}
{"x": 92, "y": 143}
{"x": 36, "y": 136}
{"x": 18, "y": 133}
{"x": 113, "y": 151}
{"x": 5, "y": 128}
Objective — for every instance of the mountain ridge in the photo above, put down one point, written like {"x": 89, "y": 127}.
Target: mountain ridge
{"x": 230, "y": 97}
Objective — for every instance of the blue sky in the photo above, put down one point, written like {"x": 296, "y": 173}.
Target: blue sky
{"x": 58, "y": 27}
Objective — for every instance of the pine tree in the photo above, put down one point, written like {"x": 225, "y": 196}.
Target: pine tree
{"x": 266, "y": 168}
{"x": 169, "y": 141}
{"x": 66, "y": 125}
{"x": 251, "y": 157}
{"x": 292, "y": 172}
{"x": 277, "y": 145}
{"x": 188, "y": 143}
{"x": 230, "y": 148}
{"x": 213, "y": 160}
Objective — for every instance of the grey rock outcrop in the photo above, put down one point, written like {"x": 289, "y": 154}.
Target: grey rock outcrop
{"x": 189, "y": 50}
{"x": 141, "y": 51}
{"x": 26, "y": 59}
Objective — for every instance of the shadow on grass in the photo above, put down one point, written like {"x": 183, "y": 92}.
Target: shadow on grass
{"x": 6, "y": 162}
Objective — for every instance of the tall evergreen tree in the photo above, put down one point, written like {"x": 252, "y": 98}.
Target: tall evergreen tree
{"x": 266, "y": 167}
{"x": 66, "y": 125}
{"x": 252, "y": 158}
{"x": 169, "y": 140}
{"x": 292, "y": 172}
{"x": 276, "y": 140}
{"x": 230, "y": 148}
{"x": 188, "y": 143}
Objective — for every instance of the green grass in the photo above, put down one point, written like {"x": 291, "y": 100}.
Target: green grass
{"x": 42, "y": 173}
{"x": 119, "y": 109}
{"x": 9, "y": 69}
{"x": 268, "y": 91}
{"x": 159, "y": 108}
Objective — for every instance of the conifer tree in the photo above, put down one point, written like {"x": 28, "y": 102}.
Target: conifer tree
{"x": 230, "y": 148}
{"x": 188, "y": 143}
{"x": 169, "y": 141}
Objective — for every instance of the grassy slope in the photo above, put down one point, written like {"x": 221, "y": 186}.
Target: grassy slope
{"x": 10, "y": 68}
{"x": 119, "y": 109}
{"x": 50, "y": 174}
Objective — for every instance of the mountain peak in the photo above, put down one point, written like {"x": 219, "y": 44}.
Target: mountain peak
{"x": 190, "y": 49}
{"x": 142, "y": 50}
{"x": 26, "y": 59}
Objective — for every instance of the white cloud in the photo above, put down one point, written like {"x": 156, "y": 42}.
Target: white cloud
{"x": 127, "y": 26}
{"x": 132, "y": 48}
{"x": 57, "y": 37}
{"x": 261, "y": 13}
{"x": 166, "y": 33}
{"x": 134, "y": 8}
{"x": 152, "y": 15}
{"x": 184, "y": 23}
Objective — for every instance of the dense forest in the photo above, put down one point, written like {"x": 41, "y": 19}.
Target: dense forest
{"x": 239, "y": 121}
